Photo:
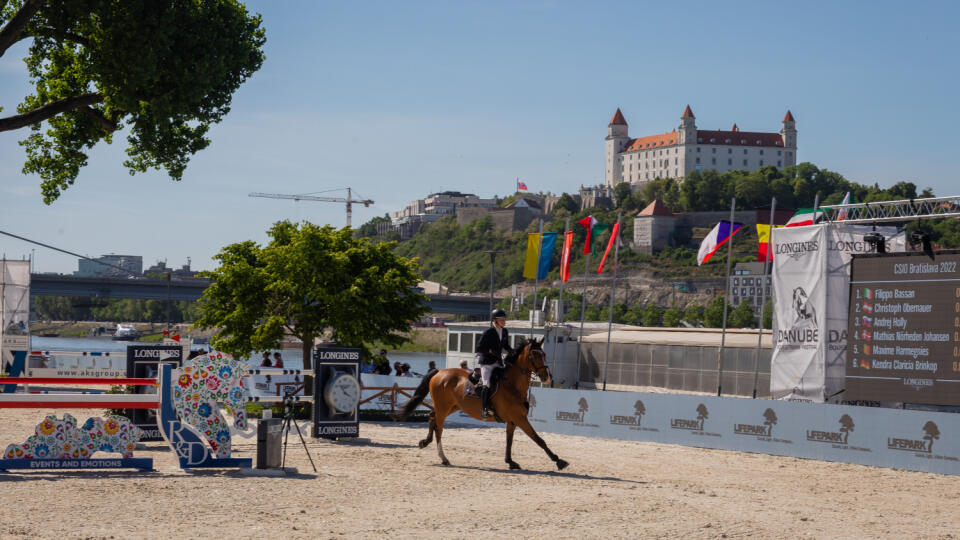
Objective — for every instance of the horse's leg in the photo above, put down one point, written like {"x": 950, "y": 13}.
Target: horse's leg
{"x": 510, "y": 428}
{"x": 433, "y": 424}
{"x": 438, "y": 427}
{"x": 528, "y": 429}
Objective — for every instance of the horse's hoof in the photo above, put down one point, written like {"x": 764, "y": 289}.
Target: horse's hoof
{"x": 514, "y": 466}
{"x": 561, "y": 464}
{"x": 424, "y": 443}
{"x": 445, "y": 463}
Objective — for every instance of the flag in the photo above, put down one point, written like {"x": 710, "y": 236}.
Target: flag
{"x": 534, "y": 266}
{"x": 763, "y": 248}
{"x": 866, "y": 350}
{"x": 593, "y": 227}
{"x": 175, "y": 337}
{"x": 613, "y": 238}
{"x": 521, "y": 186}
{"x": 842, "y": 214}
{"x": 716, "y": 238}
{"x": 867, "y": 308}
{"x": 804, "y": 216}
{"x": 867, "y": 321}
{"x": 867, "y": 293}
{"x": 864, "y": 364}
{"x": 565, "y": 256}
{"x": 867, "y": 335}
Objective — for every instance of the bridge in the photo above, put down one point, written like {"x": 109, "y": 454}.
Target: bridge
{"x": 192, "y": 288}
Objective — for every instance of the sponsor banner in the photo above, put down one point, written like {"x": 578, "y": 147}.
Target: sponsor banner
{"x": 76, "y": 364}
{"x": 336, "y": 386}
{"x": 799, "y": 313}
{"x": 914, "y": 440}
{"x": 811, "y": 278}
{"x": 14, "y": 309}
{"x": 144, "y": 361}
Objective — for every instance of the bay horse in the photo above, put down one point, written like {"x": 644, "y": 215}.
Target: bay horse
{"x": 447, "y": 391}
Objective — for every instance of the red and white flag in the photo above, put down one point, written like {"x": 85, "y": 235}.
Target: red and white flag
{"x": 565, "y": 256}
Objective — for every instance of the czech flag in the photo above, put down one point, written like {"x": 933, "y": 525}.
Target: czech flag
{"x": 521, "y": 186}
{"x": 722, "y": 232}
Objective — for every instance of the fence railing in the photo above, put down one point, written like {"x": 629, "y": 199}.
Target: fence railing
{"x": 393, "y": 391}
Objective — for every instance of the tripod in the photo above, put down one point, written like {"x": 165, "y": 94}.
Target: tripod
{"x": 288, "y": 402}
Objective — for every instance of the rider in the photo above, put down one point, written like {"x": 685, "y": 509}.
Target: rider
{"x": 489, "y": 351}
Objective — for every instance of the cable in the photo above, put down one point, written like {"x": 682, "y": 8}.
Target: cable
{"x": 69, "y": 253}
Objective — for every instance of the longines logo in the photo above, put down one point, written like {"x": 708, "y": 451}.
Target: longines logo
{"x": 695, "y": 426}
{"x": 924, "y": 445}
{"x": 632, "y": 420}
{"x": 839, "y": 438}
{"x": 576, "y": 417}
{"x": 795, "y": 250}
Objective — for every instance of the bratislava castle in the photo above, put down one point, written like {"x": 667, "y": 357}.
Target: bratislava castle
{"x": 687, "y": 149}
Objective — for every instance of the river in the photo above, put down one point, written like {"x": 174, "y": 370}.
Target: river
{"x": 292, "y": 358}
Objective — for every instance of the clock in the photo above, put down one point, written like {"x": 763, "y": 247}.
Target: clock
{"x": 342, "y": 393}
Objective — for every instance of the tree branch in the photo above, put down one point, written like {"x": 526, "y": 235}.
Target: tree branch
{"x": 107, "y": 124}
{"x": 10, "y": 31}
{"x": 48, "y": 111}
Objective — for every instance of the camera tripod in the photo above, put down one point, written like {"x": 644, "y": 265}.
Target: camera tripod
{"x": 288, "y": 403}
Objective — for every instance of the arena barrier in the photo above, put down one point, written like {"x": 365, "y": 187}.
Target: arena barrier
{"x": 893, "y": 438}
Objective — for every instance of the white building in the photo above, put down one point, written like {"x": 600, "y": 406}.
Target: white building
{"x": 439, "y": 205}
{"x": 687, "y": 149}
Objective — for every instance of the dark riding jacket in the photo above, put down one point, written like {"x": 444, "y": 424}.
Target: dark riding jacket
{"x": 491, "y": 347}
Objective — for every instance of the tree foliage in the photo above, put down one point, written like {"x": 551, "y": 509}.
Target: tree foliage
{"x": 306, "y": 281}
{"x": 166, "y": 71}
{"x": 741, "y": 317}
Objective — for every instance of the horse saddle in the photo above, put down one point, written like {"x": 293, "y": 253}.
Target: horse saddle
{"x": 472, "y": 385}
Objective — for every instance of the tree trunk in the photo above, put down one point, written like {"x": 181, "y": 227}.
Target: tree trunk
{"x": 307, "y": 364}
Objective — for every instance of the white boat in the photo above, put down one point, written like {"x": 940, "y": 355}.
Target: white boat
{"x": 126, "y": 332}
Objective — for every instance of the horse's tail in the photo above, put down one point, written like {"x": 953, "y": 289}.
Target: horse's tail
{"x": 418, "y": 396}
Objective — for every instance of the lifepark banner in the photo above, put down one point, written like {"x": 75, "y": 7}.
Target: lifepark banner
{"x": 811, "y": 282}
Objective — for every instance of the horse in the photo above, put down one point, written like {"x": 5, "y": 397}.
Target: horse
{"x": 447, "y": 391}
{"x": 205, "y": 384}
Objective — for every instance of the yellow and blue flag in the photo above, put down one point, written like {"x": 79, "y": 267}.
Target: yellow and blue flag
{"x": 539, "y": 255}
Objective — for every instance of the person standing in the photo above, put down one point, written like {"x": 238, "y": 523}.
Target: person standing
{"x": 277, "y": 360}
{"x": 494, "y": 341}
{"x": 266, "y": 360}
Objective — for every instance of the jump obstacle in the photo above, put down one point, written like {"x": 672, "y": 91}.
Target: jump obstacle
{"x": 193, "y": 391}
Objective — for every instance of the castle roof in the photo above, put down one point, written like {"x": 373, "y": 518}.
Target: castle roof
{"x": 652, "y": 141}
{"x": 656, "y": 208}
{"x": 618, "y": 118}
{"x": 687, "y": 113}
{"x": 739, "y": 138}
{"x": 788, "y": 117}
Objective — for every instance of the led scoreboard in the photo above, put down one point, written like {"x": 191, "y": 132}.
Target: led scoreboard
{"x": 904, "y": 328}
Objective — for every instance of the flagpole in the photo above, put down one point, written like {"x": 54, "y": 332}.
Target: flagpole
{"x": 583, "y": 300}
{"x": 566, "y": 229}
{"x": 763, "y": 295}
{"x": 536, "y": 280}
{"x": 613, "y": 293}
{"x": 726, "y": 300}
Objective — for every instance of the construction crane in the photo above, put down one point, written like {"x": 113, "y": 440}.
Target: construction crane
{"x": 349, "y": 200}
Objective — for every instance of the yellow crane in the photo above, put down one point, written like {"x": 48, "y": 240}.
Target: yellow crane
{"x": 309, "y": 197}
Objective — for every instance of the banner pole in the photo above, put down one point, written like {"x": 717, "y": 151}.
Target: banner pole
{"x": 726, "y": 299}
{"x": 566, "y": 229}
{"x": 763, "y": 295}
{"x": 536, "y": 279}
{"x": 613, "y": 294}
{"x": 583, "y": 305}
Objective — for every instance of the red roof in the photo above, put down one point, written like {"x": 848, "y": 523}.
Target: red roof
{"x": 744, "y": 138}
{"x": 687, "y": 113}
{"x": 734, "y": 128}
{"x": 618, "y": 118}
{"x": 788, "y": 117}
{"x": 656, "y": 208}
{"x": 652, "y": 141}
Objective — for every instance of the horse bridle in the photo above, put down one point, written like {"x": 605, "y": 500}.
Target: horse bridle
{"x": 536, "y": 369}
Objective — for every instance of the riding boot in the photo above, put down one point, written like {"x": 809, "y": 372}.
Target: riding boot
{"x": 485, "y": 401}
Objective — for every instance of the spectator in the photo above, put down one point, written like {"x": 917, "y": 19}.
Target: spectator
{"x": 266, "y": 360}
{"x": 397, "y": 369}
{"x": 406, "y": 370}
{"x": 277, "y": 360}
{"x": 432, "y": 366}
{"x": 464, "y": 365}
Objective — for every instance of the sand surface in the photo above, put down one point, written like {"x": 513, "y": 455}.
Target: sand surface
{"x": 388, "y": 488}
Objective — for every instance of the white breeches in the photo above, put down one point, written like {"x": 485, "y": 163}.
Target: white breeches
{"x": 485, "y": 372}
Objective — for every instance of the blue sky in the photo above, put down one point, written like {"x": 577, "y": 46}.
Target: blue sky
{"x": 400, "y": 99}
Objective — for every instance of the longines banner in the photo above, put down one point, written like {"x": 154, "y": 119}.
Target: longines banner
{"x": 914, "y": 440}
{"x": 811, "y": 277}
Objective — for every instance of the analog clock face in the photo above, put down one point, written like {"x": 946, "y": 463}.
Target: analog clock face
{"x": 343, "y": 393}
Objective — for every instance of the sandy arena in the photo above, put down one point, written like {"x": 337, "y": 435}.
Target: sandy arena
{"x": 388, "y": 488}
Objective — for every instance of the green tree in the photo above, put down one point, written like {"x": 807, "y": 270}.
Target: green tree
{"x": 671, "y": 317}
{"x": 306, "y": 281}
{"x": 566, "y": 202}
{"x": 165, "y": 70}
{"x": 652, "y": 315}
{"x": 369, "y": 229}
{"x": 741, "y": 317}
{"x": 693, "y": 314}
{"x": 622, "y": 193}
{"x": 768, "y": 315}
{"x": 713, "y": 314}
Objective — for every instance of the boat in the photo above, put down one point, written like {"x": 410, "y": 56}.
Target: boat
{"x": 126, "y": 332}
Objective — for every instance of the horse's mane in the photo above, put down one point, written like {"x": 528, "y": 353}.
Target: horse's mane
{"x": 522, "y": 342}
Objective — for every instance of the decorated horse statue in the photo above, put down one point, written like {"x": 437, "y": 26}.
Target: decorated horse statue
{"x": 448, "y": 391}
{"x": 205, "y": 385}
{"x": 61, "y": 438}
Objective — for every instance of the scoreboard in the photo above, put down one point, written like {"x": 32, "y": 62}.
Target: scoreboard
{"x": 904, "y": 328}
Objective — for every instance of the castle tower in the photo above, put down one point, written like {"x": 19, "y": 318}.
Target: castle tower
{"x": 617, "y": 139}
{"x": 789, "y": 133}
{"x": 688, "y": 127}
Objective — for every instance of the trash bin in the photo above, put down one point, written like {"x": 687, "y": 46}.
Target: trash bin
{"x": 269, "y": 435}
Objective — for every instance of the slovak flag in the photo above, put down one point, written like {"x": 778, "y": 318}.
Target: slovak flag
{"x": 521, "y": 186}
{"x": 722, "y": 232}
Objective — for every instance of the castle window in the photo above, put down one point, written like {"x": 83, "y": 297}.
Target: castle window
{"x": 727, "y": 141}
{"x": 778, "y": 163}
{"x": 713, "y": 140}
{"x": 698, "y": 149}
{"x": 789, "y": 154}
{"x": 743, "y": 141}
{"x": 736, "y": 281}
{"x": 758, "y": 142}
{"x": 676, "y": 161}
{"x": 744, "y": 163}
{"x": 761, "y": 163}
{"x": 729, "y": 150}
{"x": 744, "y": 151}
{"x": 778, "y": 152}
{"x": 714, "y": 150}
{"x": 698, "y": 160}
{"x": 729, "y": 162}
{"x": 714, "y": 161}
{"x": 761, "y": 151}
